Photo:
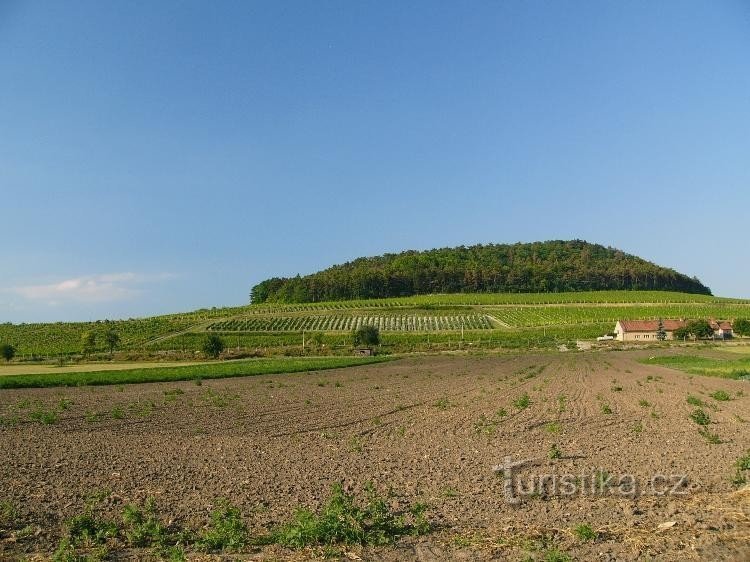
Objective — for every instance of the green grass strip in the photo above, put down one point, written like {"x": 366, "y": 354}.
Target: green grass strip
{"x": 219, "y": 370}
{"x": 737, "y": 369}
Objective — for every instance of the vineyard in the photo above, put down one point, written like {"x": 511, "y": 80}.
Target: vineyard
{"x": 531, "y": 316}
{"x": 508, "y": 318}
{"x": 65, "y": 337}
{"x": 338, "y": 323}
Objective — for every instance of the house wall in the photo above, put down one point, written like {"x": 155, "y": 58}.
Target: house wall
{"x": 641, "y": 336}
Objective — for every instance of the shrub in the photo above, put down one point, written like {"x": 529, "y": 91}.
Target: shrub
{"x": 720, "y": 395}
{"x": 213, "y": 345}
{"x": 7, "y": 351}
{"x": 366, "y": 335}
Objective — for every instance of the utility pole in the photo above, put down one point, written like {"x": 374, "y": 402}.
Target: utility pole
{"x": 303, "y": 341}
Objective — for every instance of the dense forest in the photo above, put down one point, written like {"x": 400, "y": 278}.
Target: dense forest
{"x": 552, "y": 266}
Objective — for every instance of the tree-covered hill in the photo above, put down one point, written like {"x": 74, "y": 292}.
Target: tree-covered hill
{"x": 551, "y": 266}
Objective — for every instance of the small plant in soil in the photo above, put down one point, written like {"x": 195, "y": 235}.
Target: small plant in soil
{"x": 555, "y": 452}
{"x": 553, "y": 427}
{"x": 355, "y": 444}
{"x": 88, "y": 529}
{"x": 92, "y": 417}
{"x": 561, "y": 403}
{"x": 522, "y": 402}
{"x": 8, "y": 515}
{"x": 606, "y": 409}
{"x": 644, "y": 403}
{"x": 226, "y": 531}
{"x": 443, "y": 404}
{"x": 171, "y": 395}
{"x": 695, "y": 401}
{"x": 712, "y": 438}
{"x": 601, "y": 480}
{"x": 485, "y": 425}
{"x": 43, "y": 416}
{"x": 142, "y": 527}
{"x": 585, "y": 533}
{"x": 555, "y": 555}
{"x": 743, "y": 466}
{"x": 64, "y": 404}
{"x": 720, "y": 395}
{"x": 700, "y": 417}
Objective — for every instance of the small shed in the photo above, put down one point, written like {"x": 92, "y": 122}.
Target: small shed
{"x": 363, "y": 351}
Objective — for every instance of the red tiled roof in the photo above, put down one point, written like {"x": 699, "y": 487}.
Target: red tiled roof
{"x": 651, "y": 325}
{"x": 725, "y": 325}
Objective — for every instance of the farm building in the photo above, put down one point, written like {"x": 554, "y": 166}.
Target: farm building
{"x": 645, "y": 330}
{"x": 722, "y": 329}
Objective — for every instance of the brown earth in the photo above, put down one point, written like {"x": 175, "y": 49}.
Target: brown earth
{"x": 427, "y": 428}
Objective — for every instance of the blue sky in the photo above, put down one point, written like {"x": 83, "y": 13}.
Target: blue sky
{"x": 165, "y": 156}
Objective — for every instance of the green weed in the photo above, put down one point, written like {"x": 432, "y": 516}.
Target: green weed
{"x": 226, "y": 531}
{"x": 342, "y": 521}
{"x": 700, "y": 417}
{"x": 522, "y": 402}
{"x": 555, "y": 452}
{"x": 585, "y": 533}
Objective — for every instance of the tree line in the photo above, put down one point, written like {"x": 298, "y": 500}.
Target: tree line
{"x": 538, "y": 267}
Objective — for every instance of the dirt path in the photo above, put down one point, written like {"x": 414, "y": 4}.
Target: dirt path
{"x": 429, "y": 428}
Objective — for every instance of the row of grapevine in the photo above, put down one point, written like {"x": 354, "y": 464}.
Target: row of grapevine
{"x": 337, "y": 323}
{"x": 530, "y": 316}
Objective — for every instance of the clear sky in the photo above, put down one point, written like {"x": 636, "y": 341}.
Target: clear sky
{"x": 165, "y": 156}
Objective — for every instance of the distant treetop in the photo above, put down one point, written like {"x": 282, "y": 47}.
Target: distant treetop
{"x": 537, "y": 267}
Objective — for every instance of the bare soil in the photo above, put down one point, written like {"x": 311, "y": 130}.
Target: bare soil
{"x": 427, "y": 428}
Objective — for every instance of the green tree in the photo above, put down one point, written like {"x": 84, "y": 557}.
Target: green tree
{"x": 698, "y": 329}
{"x": 213, "y": 345}
{"x": 366, "y": 335}
{"x": 741, "y": 327}
{"x": 88, "y": 342}
{"x": 111, "y": 339}
{"x": 661, "y": 333}
{"x": 7, "y": 351}
{"x": 701, "y": 329}
{"x": 681, "y": 333}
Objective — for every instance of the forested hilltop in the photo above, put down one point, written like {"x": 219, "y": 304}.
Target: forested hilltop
{"x": 552, "y": 266}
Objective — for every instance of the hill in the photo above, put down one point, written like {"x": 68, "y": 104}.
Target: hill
{"x": 537, "y": 267}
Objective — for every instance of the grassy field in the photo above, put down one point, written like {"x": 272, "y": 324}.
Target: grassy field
{"x": 48, "y": 369}
{"x": 217, "y": 370}
{"x": 738, "y": 369}
{"x": 510, "y": 320}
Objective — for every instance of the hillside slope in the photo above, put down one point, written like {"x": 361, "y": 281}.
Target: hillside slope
{"x": 551, "y": 266}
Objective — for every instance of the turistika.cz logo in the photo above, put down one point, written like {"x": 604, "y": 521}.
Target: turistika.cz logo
{"x": 519, "y": 483}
